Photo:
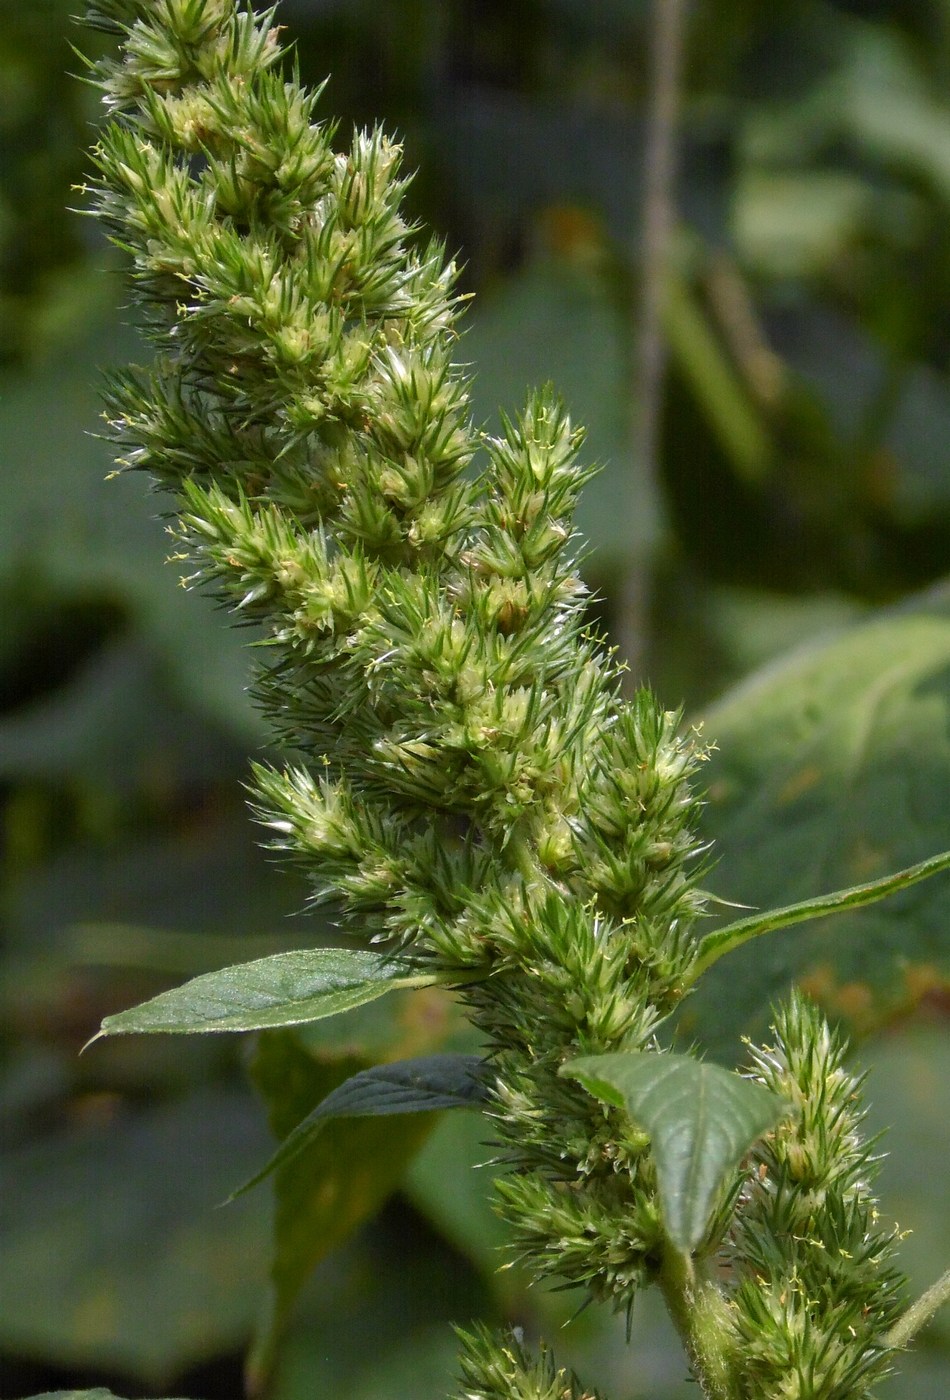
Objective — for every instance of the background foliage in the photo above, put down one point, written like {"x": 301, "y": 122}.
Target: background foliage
{"x": 803, "y": 482}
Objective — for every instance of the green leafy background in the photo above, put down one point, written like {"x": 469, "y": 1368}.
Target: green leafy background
{"x": 790, "y": 551}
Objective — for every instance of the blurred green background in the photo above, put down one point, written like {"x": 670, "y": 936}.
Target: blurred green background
{"x": 798, "y": 507}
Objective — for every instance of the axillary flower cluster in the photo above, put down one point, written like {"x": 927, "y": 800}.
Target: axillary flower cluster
{"x": 467, "y": 785}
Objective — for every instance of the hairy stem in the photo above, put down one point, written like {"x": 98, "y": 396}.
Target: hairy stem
{"x": 697, "y": 1310}
{"x": 919, "y": 1314}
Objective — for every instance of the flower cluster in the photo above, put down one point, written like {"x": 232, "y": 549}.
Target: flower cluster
{"x": 464, "y": 780}
{"x": 818, "y": 1290}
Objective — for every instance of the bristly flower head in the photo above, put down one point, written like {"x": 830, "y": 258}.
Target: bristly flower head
{"x": 464, "y": 781}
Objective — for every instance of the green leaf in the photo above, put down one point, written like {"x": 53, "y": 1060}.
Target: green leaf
{"x": 425, "y": 1084}
{"x": 98, "y": 1394}
{"x": 331, "y": 1184}
{"x": 725, "y": 940}
{"x": 702, "y": 1121}
{"x": 114, "y": 1256}
{"x": 286, "y": 989}
{"x": 832, "y": 770}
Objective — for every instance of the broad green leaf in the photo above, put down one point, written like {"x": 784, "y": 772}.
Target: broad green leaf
{"x": 423, "y": 1085}
{"x": 702, "y": 1120}
{"x": 286, "y": 989}
{"x": 339, "y": 1178}
{"x": 114, "y": 1255}
{"x": 832, "y": 770}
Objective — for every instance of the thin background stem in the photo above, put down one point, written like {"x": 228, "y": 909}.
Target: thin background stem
{"x": 667, "y": 32}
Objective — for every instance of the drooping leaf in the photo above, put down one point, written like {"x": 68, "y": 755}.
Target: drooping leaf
{"x": 422, "y": 1085}
{"x": 701, "y": 1118}
{"x": 335, "y": 1182}
{"x": 113, "y": 1253}
{"x": 286, "y": 989}
{"x": 832, "y": 769}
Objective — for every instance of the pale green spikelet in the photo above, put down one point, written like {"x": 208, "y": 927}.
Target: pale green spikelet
{"x": 464, "y": 781}
{"x": 818, "y": 1289}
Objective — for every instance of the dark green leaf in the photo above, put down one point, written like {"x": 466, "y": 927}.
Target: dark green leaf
{"x": 333, "y": 1183}
{"x": 725, "y": 940}
{"x": 702, "y": 1121}
{"x": 831, "y": 770}
{"x": 423, "y": 1085}
{"x": 114, "y": 1255}
{"x": 286, "y": 989}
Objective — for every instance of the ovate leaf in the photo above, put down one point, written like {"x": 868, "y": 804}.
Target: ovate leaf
{"x": 702, "y": 1120}
{"x": 286, "y": 989}
{"x": 832, "y": 770}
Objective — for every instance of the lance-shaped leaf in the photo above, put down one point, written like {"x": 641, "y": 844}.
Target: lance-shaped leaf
{"x": 424, "y": 1084}
{"x": 723, "y": 940}
{"x": 287, "y": 989}
{"x": 421, "y": 1085}
{"x": 702, "y": 1120}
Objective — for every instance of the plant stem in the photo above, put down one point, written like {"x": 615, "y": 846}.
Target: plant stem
{"x": 919, "y": 1314}
{"x": 659, "y": 215}
{"x": 698, "y": 1312}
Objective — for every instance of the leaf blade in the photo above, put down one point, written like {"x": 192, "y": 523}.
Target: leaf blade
{"x": 723, "y": 940}
{"x": 390, "y": 1085}
{"x": 424, "y": 1084}
{"x": 831, "y": 769}
{"x": 702, "y": 1120}
{"x": 285, "y": 989}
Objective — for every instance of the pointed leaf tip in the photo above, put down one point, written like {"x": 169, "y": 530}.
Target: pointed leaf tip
{"x": 426, "y": 1084}
{"x": 702, "y": 1120}
{"x": 285, "y": 989}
